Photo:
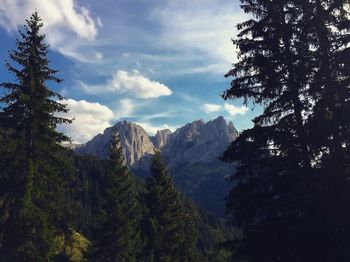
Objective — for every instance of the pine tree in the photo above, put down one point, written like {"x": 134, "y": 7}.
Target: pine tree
{"x": 165, "y": 219}
{"x": 190, "y": 246}
{"x": 273, "y": 158}
{"x": 292, "y": 166}
{"x": 30, "y": 199}
{"x": 330, "y": 31}
{"x": 118, "y": 236}
{"x": 330, "y": 28}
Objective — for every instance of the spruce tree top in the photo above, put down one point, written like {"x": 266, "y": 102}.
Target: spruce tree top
{"x": 166, "y": 218}
{"x": 30, "y": 103}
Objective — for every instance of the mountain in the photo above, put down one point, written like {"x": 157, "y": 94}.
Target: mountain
{"x": 192, "y": 153}
{"x": 198, "y": 142}
{"x": 136, "y": 143}
{"x": 161, "y": 138}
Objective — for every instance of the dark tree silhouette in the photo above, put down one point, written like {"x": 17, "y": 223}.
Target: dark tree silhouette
{"x": 30, "y": 180}
{"x": 293, "y": 164}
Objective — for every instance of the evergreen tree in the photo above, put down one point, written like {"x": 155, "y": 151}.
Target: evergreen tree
{"x": 118, "y": 237}
{"x": 292, "y": 166}
{"x": 30, "y": 179}
{"x": 164, "y": 227}
{"x": 273, "y": 158}
{"x": 330, "y": 30}
{"x": 190, "y": 246}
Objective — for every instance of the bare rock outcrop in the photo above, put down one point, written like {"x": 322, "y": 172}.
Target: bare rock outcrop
{"x": 193, "y": 143}
{"x": 199, "y": 142}
{"x": 134, "y": 140}
{"x": 161, "y": 138}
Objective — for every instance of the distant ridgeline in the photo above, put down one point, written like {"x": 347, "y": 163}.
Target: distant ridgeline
{"x": 192, "y": 153}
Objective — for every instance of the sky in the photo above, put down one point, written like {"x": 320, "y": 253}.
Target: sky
{"x": 158, "y": 63}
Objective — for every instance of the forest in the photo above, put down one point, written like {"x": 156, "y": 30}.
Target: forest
{"x": 290, "y": 189}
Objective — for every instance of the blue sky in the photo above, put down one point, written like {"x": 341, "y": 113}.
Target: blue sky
{"x": 157, "y": 63}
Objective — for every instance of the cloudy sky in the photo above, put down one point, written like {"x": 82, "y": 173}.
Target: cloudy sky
{"x": 159, "y": 63}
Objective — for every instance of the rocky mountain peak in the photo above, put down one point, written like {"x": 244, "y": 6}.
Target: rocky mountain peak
{"x": 232, "y": 130}
{"x": 199, "y": 142}
{"x": 219, "y": 119}
{"x": 161, "y": 138}
{"x": 134, "y": 140}
{"x": 194, "y": 142}
{"x": 188, "y": 132}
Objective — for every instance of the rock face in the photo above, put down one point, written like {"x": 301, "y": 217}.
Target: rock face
{"x": 195, "y": 142}
{"x": 134, "y": 140}
{"x": 161, "y": 138}
{"x": 199, "y": 142}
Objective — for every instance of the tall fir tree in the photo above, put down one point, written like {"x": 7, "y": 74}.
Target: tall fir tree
{"x": 118, "y": 236}
{"x": 292, "y": 166}
{"x": 164, "y": 227}
{"x": 30, "y": 179}
{"x": 329, "y": 29}
{"x": 273, "y": 158}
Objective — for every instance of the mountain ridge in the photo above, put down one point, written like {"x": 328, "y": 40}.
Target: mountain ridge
{"x": 192, "y": 154}
{"x": 194, "y": 142}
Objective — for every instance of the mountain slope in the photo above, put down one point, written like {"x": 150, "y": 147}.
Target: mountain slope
{"x": 192, "y": 153}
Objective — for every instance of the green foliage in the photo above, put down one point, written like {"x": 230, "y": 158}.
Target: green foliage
{"x": 118, "y": 235}
{"x": 191, "y": 252}
{"x": 164, "y": 225}
{"x": 293, "y": 164}
{"x": 87, "y": 197}
{"x": 213, "y": 233}
{"x": 72, "y": 246}
{"x": 219, "y": 255}
{"x": 31, "y": 195}
{"x": 205, "y": 184}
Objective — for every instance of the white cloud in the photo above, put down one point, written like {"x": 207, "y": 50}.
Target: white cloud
{"x": 150, "y": 70}
{"x": 233, "y": 110}
{"x": 90, "y": 119}
{"x": 90, "y": 57}
{"x": 211, "y": 108}
{"x": 61, "y": 19}
{"x": 138, "y": 85}
{"x": 213, "y": 68}
{"x": 132, "y": 83}
{"x": 156, "y": 116}
{"x": 99, "y": 22}
{"x": 202, "y": 28}
{"x": 125, "y": 108}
